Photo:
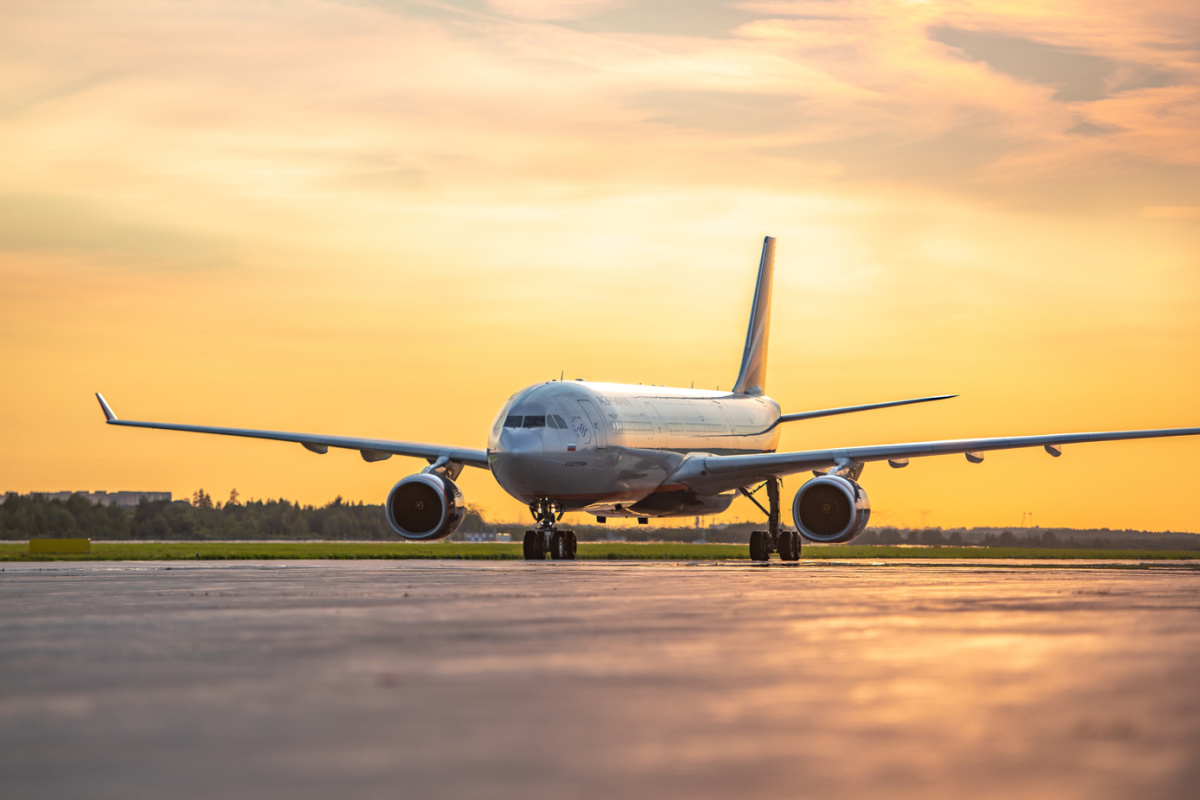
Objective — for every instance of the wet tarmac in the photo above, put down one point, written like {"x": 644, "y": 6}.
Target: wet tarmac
{"x": 597, "y": 680}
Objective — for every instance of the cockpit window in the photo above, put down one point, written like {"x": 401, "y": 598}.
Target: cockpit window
{"x": 535, "y": 421}
{"x": 514, "y": 421}
{"x": 557, "y": 422}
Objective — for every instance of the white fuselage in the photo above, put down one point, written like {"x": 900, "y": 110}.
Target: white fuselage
{"x": 611, "y": 448}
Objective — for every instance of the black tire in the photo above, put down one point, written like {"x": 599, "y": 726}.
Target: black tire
{"x": 571, "y": 545}
{"x": 556, "y": 546}
{"x": 535, "y": 546}
{"x": 758, "y": 546}
{"x": 785, "y": 546}
{"x": 795, "y": 545}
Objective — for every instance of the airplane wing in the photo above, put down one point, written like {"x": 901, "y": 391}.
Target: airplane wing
{"x": 371, "y": 449}
{"x": 714, "y": 474}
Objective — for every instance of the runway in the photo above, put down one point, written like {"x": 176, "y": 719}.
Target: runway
{"x": 462, "y": 679}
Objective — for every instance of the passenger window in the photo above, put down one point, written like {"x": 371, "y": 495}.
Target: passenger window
{"x": 513, "y": 421}
{"x": 535, "y": 422}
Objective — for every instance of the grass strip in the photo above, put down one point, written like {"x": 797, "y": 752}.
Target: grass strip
{"x": 618, "y": 551}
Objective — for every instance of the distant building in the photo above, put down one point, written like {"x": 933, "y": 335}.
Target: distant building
{"x": 109, "y": 498}
{"x": 488, "y": 537}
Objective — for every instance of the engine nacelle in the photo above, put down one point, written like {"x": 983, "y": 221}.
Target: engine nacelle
{"x": 831, "y": 509}
{"x": 425, "y": 506}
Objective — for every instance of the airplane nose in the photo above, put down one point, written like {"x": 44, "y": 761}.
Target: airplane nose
{"x": 516, "y": 460}
{"x": 519, "y": 441}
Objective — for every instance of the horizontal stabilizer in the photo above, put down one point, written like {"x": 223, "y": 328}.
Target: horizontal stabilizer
{"x": 831, "y": 412}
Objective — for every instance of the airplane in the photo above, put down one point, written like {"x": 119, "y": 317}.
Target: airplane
{"x": 616, "y": 450}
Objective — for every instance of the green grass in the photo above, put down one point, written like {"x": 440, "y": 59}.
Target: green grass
{"x": 623, "y": 551}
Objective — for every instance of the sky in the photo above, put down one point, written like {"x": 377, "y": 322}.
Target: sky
{"x": 381, "y": 219}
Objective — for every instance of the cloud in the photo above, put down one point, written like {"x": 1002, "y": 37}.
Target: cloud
{"x": 1073, "y": 73}
{"x": 256, "y": 100}
{"x": 703, "y": 18}
{"x": 739, "y": 113}
{"x": 71, "y": 224}
{"x": 551, "y": 9}
{"x": 1085, "y": 128}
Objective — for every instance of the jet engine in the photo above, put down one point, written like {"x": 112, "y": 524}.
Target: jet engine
{"x": 831, "y": 509}
{"x": 425, "y": 506}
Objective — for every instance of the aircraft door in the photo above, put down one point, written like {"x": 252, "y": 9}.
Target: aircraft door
{"x": 597, "y": 421}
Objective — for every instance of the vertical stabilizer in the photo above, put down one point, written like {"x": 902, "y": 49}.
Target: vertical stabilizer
{"x": 752, "y": 379}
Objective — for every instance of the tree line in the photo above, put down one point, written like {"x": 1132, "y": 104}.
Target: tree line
{"x": 36, "y": 516}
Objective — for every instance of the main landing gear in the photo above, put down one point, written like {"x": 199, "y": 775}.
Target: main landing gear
{"x": 774, "y": 539}
{"x": 547, "y": 539}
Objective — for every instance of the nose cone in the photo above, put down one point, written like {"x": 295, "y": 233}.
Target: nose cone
{"x": 516, "y": 459}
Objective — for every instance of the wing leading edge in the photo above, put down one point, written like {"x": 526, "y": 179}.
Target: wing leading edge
{"x": 370, "y": 449}
{"x": 714, "y": 474}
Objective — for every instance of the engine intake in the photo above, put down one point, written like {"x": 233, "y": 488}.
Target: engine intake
{"x": 425, "y": 506}
{"x": 831, "y": 509}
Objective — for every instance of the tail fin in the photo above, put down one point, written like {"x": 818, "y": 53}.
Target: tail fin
{"x": 752, "y": 378}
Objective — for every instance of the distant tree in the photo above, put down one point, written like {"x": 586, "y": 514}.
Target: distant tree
{"x": 339, "y": 525}
{"x": 149, "y": 522}
{"x": 201, "y": 499}
{"x": 233, "y": 498}
{"x": 931, "y": 536}
{"x": 58, "y": 523}
{"x": 890, "y": 536}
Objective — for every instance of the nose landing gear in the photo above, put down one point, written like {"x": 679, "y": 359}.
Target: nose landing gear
{"x": 547, "y": 539}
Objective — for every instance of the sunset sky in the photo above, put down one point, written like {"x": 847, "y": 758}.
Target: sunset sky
{"x": 383, "y": 218}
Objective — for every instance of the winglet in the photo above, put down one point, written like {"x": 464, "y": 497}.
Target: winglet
{"x": 109, "y": 416}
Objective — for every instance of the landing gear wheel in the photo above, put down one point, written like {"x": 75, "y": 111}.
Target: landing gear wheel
{"x": 758, "y": 546}
{"x": 785, "y": 546}
{"x": 534, "y": 546}
{"x": 563, "y": 545}
{"x": 789, "y": 545}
